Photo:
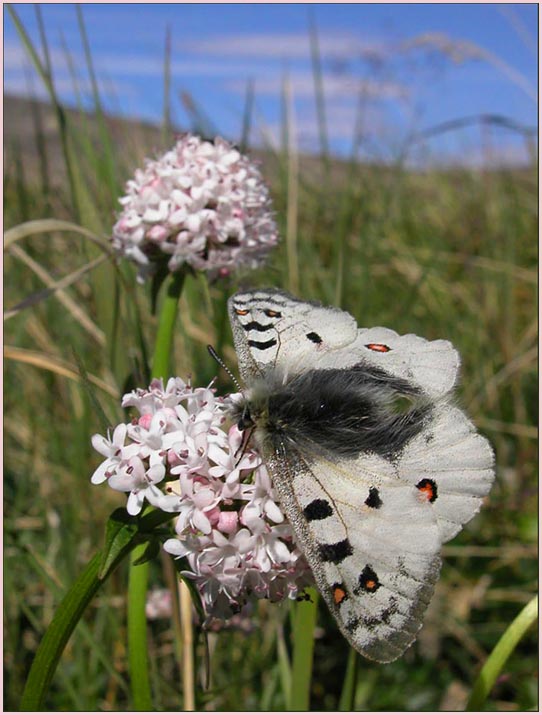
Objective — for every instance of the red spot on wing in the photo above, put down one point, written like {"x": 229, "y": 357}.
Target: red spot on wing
{"x": 378, "y": 347}
{"x": 428, "y": 488}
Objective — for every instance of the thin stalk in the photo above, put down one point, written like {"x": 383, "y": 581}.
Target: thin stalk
{"x": 346, "y": 703}
{"x": 500, "y": 654}
{"x": 105, "y": 138}
{"x": 139, "y": 573}
{"x": 303, "y": 645}
{"x": 247, "y": 116}
{"x": 166, "y": 125}
{"x": 60, "y": 114}
{"x": 293, "y": 185}
{"x": 138, "y": 660}
{"x": 188, "y": 647}
{"x": 166, "y": 326}
{"x": 319, "y": 90}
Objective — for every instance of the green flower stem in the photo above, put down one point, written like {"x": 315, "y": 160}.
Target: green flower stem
{"x": 166, "y": 326}
{"x": 303, "y": 645}
{"x": 346, "y": 703}
{"x": 139, "y": 573}
{"x": 72, "y": 607}
{"x": 500, "y": 654}
{"x": 138, "y": 661}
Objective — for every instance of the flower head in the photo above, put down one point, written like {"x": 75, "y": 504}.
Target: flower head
{"x": 181, "y": 456}
{"x": 203, "y": 204}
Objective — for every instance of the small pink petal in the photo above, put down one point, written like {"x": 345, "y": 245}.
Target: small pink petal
{"x": 228, "y": 521}
{"x": 145, "y": 421}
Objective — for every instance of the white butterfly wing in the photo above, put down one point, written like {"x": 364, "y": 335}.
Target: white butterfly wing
{"x": 371, "y": 541}
{"x": 431, "y": 365}
{"x": 458, "y": 460}
{"x": 371, "y": 523}
{"x": 275, "y": 332}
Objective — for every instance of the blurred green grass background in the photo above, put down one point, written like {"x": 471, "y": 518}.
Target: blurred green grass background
{"x": 448, "y": 253}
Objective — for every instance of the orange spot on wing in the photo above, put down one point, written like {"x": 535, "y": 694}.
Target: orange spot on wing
{"x": 339, "y": 594}
{"x": 370, "y": 585}
{"x": 378, "y": 347}
{"x": 241, "y": 312}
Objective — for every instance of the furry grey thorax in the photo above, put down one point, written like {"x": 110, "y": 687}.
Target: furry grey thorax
{"x": 340, "y": 411}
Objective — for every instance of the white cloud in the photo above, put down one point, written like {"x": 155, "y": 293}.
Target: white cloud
{"x": 16, "y": 57}
{"x": 267, "y": 45}
{"x": 341, "y": 121}
{"x": 142, "y": 66}
{"x": 334, "y": 87}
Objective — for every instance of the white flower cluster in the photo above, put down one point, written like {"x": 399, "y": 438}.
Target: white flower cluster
{"x": 203, "y": 204}
{"x": 179, "y": 457}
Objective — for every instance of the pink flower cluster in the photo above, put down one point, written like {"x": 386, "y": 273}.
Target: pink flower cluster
{"x": 180, "y": 457}
{"x": 203, "y": 204}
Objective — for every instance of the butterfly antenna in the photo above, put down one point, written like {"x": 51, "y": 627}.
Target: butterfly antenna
{"x": 219, "y": 360}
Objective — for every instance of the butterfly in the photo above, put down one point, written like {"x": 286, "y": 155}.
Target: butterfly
{"x": 374, "y": 465}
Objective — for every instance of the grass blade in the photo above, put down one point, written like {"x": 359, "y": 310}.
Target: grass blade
{"x": 247, "y": 116}
{"x": 319, "y": 90}
{"x": 105, "y": 138}
{"x": 72, "y": 608}
{"x": 166, "y": 125}
{"x": 500, "y": 654}
{"x": 61, "y": 116}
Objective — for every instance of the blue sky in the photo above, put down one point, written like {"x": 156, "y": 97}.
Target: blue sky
{"x": 392, "y": 70}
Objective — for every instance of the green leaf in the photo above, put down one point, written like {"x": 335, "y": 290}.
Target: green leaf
{"x": 500, "y": 654}
{"x": 151, "y": 551}
{"x": 50, "y": 649}
{"x": 120, "y": 530}
{"x": 121, "y": 537}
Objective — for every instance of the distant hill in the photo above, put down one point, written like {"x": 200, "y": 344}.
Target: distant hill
{"x": 28, "y": 122}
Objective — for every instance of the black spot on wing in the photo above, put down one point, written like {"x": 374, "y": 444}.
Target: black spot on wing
{"x": 262, "y": 345}
{"x": 336, "y": 552}
{"x": 254, "y": 325}
{"x": 373, "y": 500}
{"x": 317, "y": 509}
{"x": 314, "y": 337}
{"x": 352, "y": 624}
{"x": 368, "y": 580}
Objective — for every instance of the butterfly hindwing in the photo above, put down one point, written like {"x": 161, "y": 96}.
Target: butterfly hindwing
{"x": 452, "y": 465}
{"x": 370, "y": 541}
